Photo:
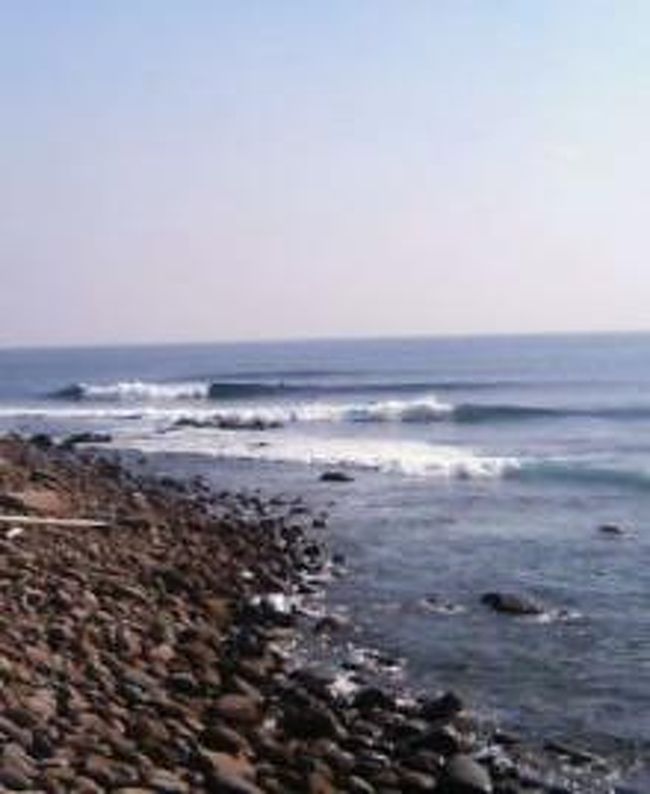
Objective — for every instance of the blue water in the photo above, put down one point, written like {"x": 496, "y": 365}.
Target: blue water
{"x": 478, "y": 464}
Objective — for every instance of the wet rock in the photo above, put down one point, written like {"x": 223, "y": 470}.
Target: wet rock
{"x": 336, "y": 476}
{"x": 371, "y": 698}
{"x": 445, "y": 740}
{"x": 331, "y": 624}
{"x": 462, "y": 775}
{"x": 442, "y": 708}
{"x": 512, "y": 604}
{"x": 42, "y": 441}
{"x": 613, "y": 530}
{"x": 71, "y": 441}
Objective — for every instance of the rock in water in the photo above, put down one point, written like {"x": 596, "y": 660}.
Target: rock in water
{"x": 611, "y": 529}
{"x": 512, "y": 604}
{"x": 462, "y": 775}
{"x": 336, "y": 476}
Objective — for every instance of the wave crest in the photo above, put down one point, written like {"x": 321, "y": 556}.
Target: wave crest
{"x": 133, "y": 391}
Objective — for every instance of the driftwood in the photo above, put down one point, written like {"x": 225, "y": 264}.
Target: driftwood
{"x": 39, "y": 521}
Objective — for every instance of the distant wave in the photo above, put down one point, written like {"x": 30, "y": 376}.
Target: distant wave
{"x": 248, "y": 389}
{"x": 132, "y": 391}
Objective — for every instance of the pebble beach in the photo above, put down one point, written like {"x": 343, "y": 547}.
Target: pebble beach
{"x": 148, "y": 639}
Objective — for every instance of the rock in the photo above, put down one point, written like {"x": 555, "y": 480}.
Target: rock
{"x": 462, "y": 775}
{"x": 512, "y": 604}
{"x": 612, "y": 530}
{"x": 16, "y": 768}
{"x": 165, "y": 782}
{"x": 313, "y": 720}
{"x": 238, "y": 709}
{"x": 228, "y": 774}
{"x": 183, "y": 684}
{"x": 445, "y": 740}
{"x": 110, "y": 773}
{"x": 224, "y": 739}
{"x": 319, "y": 783}
{"x": 414, "y": 782}
{"x": 336, "y": 476}
{"x": 85, "y": 438}
{"x": 372, "y": 698}
{"x": 331, "y": 624}
{"x": 358, "y": 785}
{"x": 442, "y": 708}
{"x": 41, "y": 441}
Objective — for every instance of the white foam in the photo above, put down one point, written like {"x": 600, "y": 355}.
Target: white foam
{"x": 413, "y": 458}
{"x": 137, "y": 390}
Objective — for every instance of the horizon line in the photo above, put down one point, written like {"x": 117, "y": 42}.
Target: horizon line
{"x": 450, "y": 335}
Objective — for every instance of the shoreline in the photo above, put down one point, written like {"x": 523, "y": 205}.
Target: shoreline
{"x": 154, "y": 653}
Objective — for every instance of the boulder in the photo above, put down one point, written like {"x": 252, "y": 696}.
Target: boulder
{"x": 336, "y": 476}
{"x": 462, "y": 775}
{"x": 238, "y": 709}
{"x": 613, "y": 530}
{"x": 512, "y": 604}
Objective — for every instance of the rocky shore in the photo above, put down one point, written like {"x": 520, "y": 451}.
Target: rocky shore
{"x": 146, "y": 628}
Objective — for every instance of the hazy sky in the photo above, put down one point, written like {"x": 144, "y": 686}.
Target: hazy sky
{"x": 205, "y": 170}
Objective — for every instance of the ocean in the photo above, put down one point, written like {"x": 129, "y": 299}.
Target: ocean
{"x": 476, "y": 465}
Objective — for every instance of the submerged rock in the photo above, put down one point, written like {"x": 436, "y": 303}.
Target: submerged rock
{"x": 336, "y": 476}
{"x": 512, "y": 604}
{"x": 611, "y": 529}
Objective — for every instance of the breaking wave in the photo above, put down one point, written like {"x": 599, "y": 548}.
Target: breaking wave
{"x": 133, "y": 391}
{"x": 271, "y": 403}
{"x": 250, "y": 389}
{"x": 410, "y": 458}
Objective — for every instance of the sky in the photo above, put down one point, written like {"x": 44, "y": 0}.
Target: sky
{"x": 201, "y": 170}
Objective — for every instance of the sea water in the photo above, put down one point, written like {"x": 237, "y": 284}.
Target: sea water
{"x": 477, "y": 464}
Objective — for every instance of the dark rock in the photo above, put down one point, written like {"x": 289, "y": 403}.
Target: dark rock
{"x": 42, "y": 441}
{"x": 445, "y": 740}
{"x": 312, "y": 720}
{"x": 611, "y": 529}
{"x": 442, "y": 708}
{"x": 512, "y": 604}
{"x": 371, "y": 698}
{"x": 414, "y": 782}
{"x": 223, "y": 739}
{"x": 462, "y": 775}
{"x": 331, "y": 624}
{"x": 336, "y": 476}
{"x": 71, "y": 441}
